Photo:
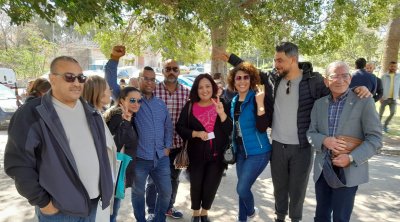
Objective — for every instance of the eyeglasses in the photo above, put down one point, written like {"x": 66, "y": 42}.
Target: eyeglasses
{"x": 344, "y": 76}
{"x": 134, "y": 100}
{"x": 168, "y": 69}
{"x": 288, "y": 84}
{"x": 70, "y": 77}
{"x": 150, "y": 80}
{"x": 238, "y": 78}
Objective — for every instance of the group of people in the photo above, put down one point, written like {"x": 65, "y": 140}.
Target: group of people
{"x": 61, "y": 149}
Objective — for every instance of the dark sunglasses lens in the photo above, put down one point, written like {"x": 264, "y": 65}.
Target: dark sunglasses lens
{"x": 169, "y": 69}
{"x": 81, "y": 78}
{"x": 133, "y": 101}
{"x": 71, "y": 78}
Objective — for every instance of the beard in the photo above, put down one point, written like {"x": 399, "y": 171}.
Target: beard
{"x": 283, "y": 73}
{"x": 171, "y": 79}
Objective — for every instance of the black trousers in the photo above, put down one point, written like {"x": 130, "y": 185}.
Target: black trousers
{"x": 205, "y": 178}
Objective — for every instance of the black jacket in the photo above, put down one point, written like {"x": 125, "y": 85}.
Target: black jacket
{"x": 198, "y": 150}
{"x": 379, "y": 90}
{"x": 311, "y": 88}
{"x": 125, "y": 135}
{"x": 39, "y": 159}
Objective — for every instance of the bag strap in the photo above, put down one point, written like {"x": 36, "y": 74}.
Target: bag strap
{"x": 189, "y": 111}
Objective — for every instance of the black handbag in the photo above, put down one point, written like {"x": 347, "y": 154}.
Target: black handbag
{"x": 229, "y": 155}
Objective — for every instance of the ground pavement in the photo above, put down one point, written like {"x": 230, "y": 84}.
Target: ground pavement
{"x": 378, "y": 200}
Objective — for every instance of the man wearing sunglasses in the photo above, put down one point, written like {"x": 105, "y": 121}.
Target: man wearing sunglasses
{"x": 154, "y": 127}
{"x": 56, "y": 150}
{"x": 175, "y": 97}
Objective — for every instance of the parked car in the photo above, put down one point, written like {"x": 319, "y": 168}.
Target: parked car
{"x": 8, "y": 105}
{"x": 185, "y": 81}
{"x": 7, "y": 77}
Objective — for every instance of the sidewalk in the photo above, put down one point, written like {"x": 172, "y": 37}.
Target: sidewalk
{"x": 378, "y": 200}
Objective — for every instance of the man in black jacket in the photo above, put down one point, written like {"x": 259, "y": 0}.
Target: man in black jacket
{"x": 290, "y": 97}
{"x": 56, "y": 150}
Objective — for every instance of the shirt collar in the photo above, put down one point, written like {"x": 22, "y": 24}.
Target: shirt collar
{"x": 342, "y": 97}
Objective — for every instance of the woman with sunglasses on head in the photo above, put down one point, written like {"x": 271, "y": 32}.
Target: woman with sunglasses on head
{"x": 204, "y": 123}
{"x": 250, "y": 142}
{"x": 120, "y": 120}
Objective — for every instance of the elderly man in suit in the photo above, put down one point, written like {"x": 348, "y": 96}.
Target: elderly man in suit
{"x": 338, "y": 169}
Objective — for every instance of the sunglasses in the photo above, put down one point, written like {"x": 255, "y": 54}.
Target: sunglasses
{"x": 168, "y": 69}
{"x": 288, "y": 84}
{"x": 345, "y": 76}
{"x": 134, "y": 100}
{"x": 238, "y": 78}
{"x": 70, "y": 77}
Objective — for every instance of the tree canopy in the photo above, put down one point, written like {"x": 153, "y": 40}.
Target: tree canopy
{"x": 188, "y": 30}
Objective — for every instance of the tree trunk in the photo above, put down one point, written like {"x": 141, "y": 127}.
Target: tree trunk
{"x": 392, "y": 41}
{"x": 219, "y": 39}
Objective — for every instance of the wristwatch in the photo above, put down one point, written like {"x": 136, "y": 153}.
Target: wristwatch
{"x": 261, "y": 109}
{"x": 351, "y": 158}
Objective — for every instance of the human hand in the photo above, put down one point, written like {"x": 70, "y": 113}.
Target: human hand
{"x": 362, "y": 92}
{"x": 337, "y": 146}
{"x": 342, "y": 160}
{"x": 167, "y": 151}
{"x": 220, "y": 54}
{"x": 219, "y": 107}
{"x": 260, "y": 94}
{"x": 49, "y": 209}
{"x": 126, "y": 114}
{"x": 201, "y": 134}
{"x": 117, "y": 52}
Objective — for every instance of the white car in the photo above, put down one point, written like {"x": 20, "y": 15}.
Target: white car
{"x": 8, "y": 105}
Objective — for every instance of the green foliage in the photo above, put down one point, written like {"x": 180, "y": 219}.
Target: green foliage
{"x": 29, "y": 57}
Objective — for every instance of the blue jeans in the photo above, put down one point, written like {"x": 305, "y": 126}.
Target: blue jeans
{"x": 151, "y": 191}
{"x": 61, "y": 217}
{"x": 116, "y": 206}
{"x": 160, "y": 173}
{"x": 247, "y": 170}
{"x": 339, "y": 201}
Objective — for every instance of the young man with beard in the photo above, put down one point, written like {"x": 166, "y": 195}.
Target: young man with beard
{"x": 175, "y": 97}
{"x": 290, "y": 95}
{"x": 154, "y": 127}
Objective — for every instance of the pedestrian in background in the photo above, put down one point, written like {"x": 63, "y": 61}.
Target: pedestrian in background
{"x": 39, "y": 87}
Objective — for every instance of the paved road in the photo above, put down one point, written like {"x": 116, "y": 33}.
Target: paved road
{"x": 379, "y": 200}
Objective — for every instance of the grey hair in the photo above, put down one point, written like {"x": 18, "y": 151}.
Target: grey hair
{"x": 334, "y": 65}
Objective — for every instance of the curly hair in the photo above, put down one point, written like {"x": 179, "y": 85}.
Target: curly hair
{"x": 247, "y": 68}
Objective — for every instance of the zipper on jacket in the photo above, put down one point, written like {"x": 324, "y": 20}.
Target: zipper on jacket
{"x": 244, "y": 146}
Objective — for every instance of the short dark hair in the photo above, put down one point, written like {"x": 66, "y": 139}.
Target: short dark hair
{"x": 290, "y": 49}
{"x": 61, "y": 59}
{"x": 122, "y": 80}
{"x": 393, "y": 62}
{"x": 217, "y": 75}
{"x": 148, "y": 68}
{"x": 194, "y": 95}
{"x": 360, "y": 63}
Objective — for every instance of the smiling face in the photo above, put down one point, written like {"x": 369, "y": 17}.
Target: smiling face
{"x": 205, "y": 90}
{"x": 338, "y": 81}
{"x": 242, "y": 82}
{"x": 283, "y": 63}
{"x": 132, "y": 101}
{"x": 66, "y": 92}
{"x": 147, "y": 82}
